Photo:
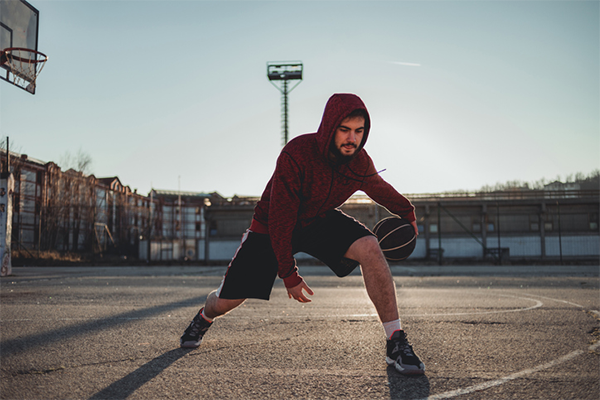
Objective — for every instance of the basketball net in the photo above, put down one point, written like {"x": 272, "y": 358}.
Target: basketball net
{"x": 24, "y": 66}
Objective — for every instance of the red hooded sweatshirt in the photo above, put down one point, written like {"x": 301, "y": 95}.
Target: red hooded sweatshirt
{"x": 307, "y": 183}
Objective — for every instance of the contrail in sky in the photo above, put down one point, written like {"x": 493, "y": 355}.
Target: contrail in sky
{"x": 405, "y": 63}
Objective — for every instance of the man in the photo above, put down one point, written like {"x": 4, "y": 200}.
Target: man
{"x": 315, "y": 174}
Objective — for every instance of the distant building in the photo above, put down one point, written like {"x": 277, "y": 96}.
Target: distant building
{"x": 178, "y": 225}
{"x": 496, "y": 226}
{"x": 67, "y": 211}
{"x": 560, "y": 190}
{"x": 561, "y": 186}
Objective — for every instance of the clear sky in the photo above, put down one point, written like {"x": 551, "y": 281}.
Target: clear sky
{"x": 170, "y": 94}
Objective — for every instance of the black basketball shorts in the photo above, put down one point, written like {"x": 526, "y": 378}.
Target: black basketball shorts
{"x": 253, "y": 269}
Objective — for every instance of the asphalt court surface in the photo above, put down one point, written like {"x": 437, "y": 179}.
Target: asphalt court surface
{"x": 488, "y": 332}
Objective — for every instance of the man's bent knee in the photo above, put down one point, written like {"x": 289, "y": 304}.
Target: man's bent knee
{"x": 365, "y": 248}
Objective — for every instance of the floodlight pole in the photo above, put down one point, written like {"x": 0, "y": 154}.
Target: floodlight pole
{"x": 284, "y": 116}
{"x": 284, "y": 72}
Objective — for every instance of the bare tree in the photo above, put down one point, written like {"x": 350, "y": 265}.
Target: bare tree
{"x": 80, "y": 161}
{"x": 70, "y": 205}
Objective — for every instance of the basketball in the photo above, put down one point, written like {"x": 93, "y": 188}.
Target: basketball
{"x": 396, "y": 238}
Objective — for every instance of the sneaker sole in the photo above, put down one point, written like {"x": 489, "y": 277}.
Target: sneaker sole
{"x": 405, "y": 371}
{"x": 190, "y": 345}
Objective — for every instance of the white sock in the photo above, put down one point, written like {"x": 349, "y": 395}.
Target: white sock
{"x": 205, "y": 317}
{"x": 391, "y": 327}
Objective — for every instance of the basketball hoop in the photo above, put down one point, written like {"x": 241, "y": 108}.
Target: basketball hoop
{"x": 24, "y": 66}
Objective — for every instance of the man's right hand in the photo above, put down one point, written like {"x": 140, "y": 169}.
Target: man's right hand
{"x": 297, "y": 294}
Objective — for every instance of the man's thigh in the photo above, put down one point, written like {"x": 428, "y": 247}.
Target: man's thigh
{"x": 252, "y": 271}
{"x": 329, "y": 238}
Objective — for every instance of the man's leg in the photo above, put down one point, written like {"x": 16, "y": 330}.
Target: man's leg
{"x": 215, "y": 306}
{"x": 377, "y": 276}
{"x": 382, "y": 292}
{"x": 251, "y": 273}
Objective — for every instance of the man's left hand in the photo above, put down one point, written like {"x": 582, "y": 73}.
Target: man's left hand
{"x": 296, "y": 292}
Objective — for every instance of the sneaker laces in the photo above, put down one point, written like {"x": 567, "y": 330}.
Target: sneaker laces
{"x": 195, "y": 328}
{"x": 403, "y": 346}
{"x": 407, "y": 349}
{"x": 196, "y": 325}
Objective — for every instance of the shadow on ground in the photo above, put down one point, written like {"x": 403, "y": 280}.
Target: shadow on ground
{"x": 15, "y": 346}
{"x": 407, "y": 387}
{"x": 127, "y": 385}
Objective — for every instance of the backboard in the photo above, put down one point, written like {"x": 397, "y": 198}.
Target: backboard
{"x": 19, "y": 22}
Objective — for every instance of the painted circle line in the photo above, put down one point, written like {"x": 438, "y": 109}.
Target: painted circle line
{"x": 537, "y": 304}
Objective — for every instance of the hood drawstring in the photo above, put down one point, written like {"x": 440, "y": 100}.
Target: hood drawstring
{"x": 359, "y": 176}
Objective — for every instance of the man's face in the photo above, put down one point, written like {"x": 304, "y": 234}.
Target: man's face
{"x": 349, "y": 135}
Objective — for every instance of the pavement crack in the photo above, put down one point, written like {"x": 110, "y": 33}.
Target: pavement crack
{"x": 481, "y": 322}
{"x": 40, "y": 371}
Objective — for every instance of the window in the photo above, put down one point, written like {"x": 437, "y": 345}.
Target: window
{"x": 433, "y": 228}
{"x": 548, "y": 226}
{"x": 490, "y": 227}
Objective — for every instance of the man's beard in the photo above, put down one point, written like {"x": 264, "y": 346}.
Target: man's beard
{"x": 338, "y": 156}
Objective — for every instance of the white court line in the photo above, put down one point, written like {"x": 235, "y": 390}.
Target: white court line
{"x": 557, "y": 300}
{"x": 498, "y": 382}
{"x": 516, "y": 375}
{"x": 90, "y": 319}
{"x": 537, "y": 304}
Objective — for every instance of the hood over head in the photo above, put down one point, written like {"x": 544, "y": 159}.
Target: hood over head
{"x": 338, "y": 107}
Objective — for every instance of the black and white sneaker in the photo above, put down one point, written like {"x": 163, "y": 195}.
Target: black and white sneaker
{"x": 401, "y": 355}
{"x": 192, "y": 337}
